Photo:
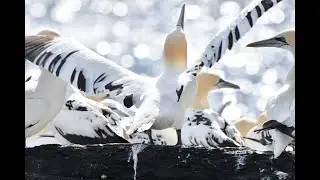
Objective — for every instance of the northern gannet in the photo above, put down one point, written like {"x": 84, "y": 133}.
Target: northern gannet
{"x": 111, "y": 80}
{"x": 162, "y": 100}
{"x": 103, "y": 120}
{"x": 280, "y": 108}
{"x": 44, "y": 95}
{"x": 262, "y": 140}
{"x": 204, "y": 127}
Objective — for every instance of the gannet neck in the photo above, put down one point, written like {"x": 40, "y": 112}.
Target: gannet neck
{"x": 200, "y": 101}
{"x": 206, "y": 81}
{"x": 175, "y": 46}
{"x": 175, "y": 50}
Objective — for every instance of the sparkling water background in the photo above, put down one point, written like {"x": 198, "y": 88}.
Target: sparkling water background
{"x": 132, "y": 32}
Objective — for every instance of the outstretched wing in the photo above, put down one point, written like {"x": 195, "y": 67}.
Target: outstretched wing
{"x": 91, "y": 73}
{"x": 226, "y": 37}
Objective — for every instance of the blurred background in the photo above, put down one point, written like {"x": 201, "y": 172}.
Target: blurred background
{"x": 132, "y": 33}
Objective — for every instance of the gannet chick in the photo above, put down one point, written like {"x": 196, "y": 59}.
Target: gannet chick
{"x": 280, "y": 108}
{"x": 244, "y": 124}
{"x": 161, "y": 101}
{"x": 44, "y": 95}
{"x": 202, "y": 126}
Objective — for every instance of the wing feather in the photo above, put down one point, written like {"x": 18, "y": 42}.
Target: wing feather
{"x": 84, "y": 121}
{"x": 91, "y": 73}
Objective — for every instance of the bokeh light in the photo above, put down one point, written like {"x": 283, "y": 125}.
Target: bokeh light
{"x": 132, "y": 33}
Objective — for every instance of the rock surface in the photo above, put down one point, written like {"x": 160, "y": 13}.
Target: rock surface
{"x": 154, "y": 162}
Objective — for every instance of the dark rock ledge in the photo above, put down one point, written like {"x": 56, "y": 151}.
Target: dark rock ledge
{"x": 116, "y": 161}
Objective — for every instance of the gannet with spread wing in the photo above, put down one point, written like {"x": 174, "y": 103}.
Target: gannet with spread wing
{"x": 56, "y": 92}
{"x": 280, "y": 108}
{"x": 162, "y": 100}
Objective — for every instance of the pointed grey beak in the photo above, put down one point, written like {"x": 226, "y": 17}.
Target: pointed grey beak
{"x": 272, "y": 42}
{"x": 225, "y": 84}
{"x": 181, "y": 17}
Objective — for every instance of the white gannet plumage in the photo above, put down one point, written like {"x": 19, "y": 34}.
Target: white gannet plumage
{"x": 44, "y": 95}
{"x": 224, "y": 40}
{"x": 166, "y": 136}
{"x": 122, "y": 84}
{"x": 164, "y": 99}
{"x": 280, "y": 108}
{"x": 262, "y": 140}
{"x": 82, "y": 121}
{"x": 76, "y": 107}
{"x": 203, "y": 126}
{"x": 41, "y": 138}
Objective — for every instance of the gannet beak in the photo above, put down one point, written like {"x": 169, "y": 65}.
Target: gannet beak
{"x": 225, "y": 84}
{"x": 181, "y": 17}
{"x": 272, "y": 42}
